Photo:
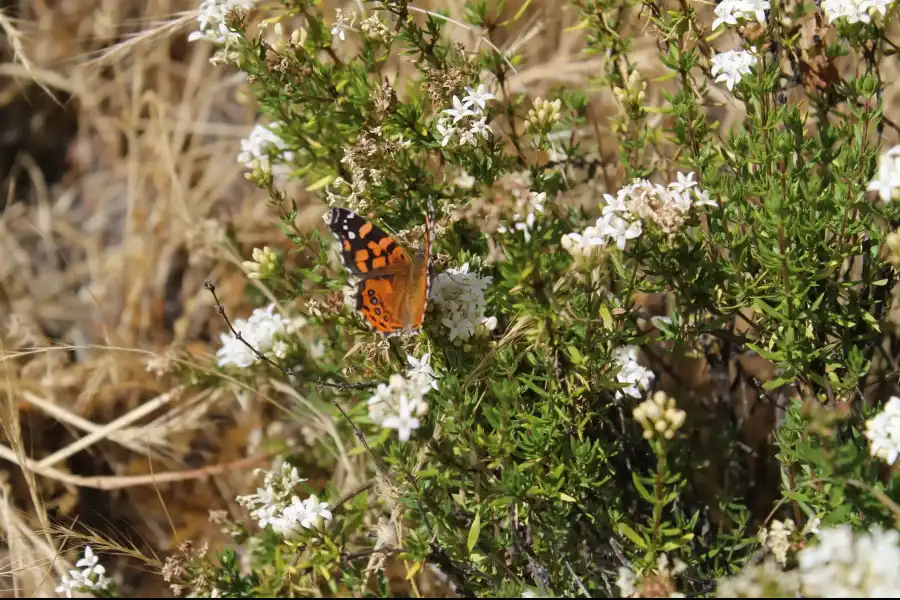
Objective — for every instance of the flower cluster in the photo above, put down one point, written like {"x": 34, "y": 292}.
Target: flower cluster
{"x": 262, "y": 331}
{"x": 342, "y": 23}
{"x": 263, "y": 265}
{"x": 667, "y": 207}
{"x": 887, "y": 180}
{"x": 586, "y": 245}
{"x": 658, "y": 583}
{"x": 459, "y": 295}
{"x": 631, "y": 372}
{"x": 527, "y": 208}
{"x": 765, "y": 580}
{"x": 543, "y": 115}
{"x": 92, "y": 576}
{"x": 264, "y": 150}
{"x": 275, "y": 504}
{"x": 777, "y": 539}
{"x": 399, "y": 403}
{"x": 846, "y": 564}
{"x": 211, "y": 17}
{"x": 729, "y": 11}
{"x": 854, "y": 11}
{"x": 373, "y": 29}
{"x": 883, "y": 431}
{"x": 659, "y": 416}
{"x": 730, "y": 67}
{"x": 466, "y": 118}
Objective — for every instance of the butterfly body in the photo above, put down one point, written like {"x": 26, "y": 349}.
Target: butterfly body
{"x": 392, "y": 287}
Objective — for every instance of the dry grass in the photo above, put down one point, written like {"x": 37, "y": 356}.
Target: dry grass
{"x": 121, "y": 196}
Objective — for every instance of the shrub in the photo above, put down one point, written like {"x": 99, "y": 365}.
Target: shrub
{"x": 640, "y": 380}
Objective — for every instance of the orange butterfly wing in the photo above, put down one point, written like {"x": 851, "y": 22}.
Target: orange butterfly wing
{"x": 393, "y": 289}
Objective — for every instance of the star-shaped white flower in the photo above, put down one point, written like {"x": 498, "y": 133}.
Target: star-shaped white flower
{"x": 459, "y": 110}
{"x": 403, "y": 421}
{"x": 446, "y": 129}
{"x": 420, "y": 367}
{"x": 478, "y": 97}
{"x": 314, "y": 510}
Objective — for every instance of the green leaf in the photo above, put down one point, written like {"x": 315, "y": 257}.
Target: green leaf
{"x": 642, "y": 489}
{"x": 606, "y": 316}
{"x": 632, "y": 535}
{"x": 319, "y": 184}
{"x": 518, "y": 14}
{"x": 474, "y": 532}
{"x": 566, "y": 498}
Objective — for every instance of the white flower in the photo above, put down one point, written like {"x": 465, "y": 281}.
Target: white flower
{"x": 625, "y": 582}
{"x": 480, "y": 127}
{"x": 446, "y": 129}
{"x": 275, "y": 504}
{"x": 811, "y": 527}
{"x": 659, "y": 416}
{"x": 403, "y": 421}
{"x": 631, "y": 372}
{"x": 90, "y": 560}
{"x": 465, "y": 181}
{"x": 477, "y": 97}
{"x": 778, "y": 539}
{"x": 316, "y": 508}
{"x": 459, "y": 110}
{"x": 341, "y": 23}
{"x": 260, "y": 331}
{"x": 211, "y": 17}
{"x": 730, "y": 67}
{"x": 729, "y": 11}
{"x": 264, "y": 149}
{"x": 846, "y": 564}
{"x": 702, "y": 199}
{"x": 93, "y": 577}
{"x": 585, "y": 245}
{"x": 73, "y": 582}
{"x": 887, "y": 180}
{"x": 683, "y": 182}
{"x": 467, "y": 138}
{"x": 397, "y": 404}
{"x": 420, "y": 367}
{"x": 618, "y": 229}
{"x": 459, "y": 296}
{"x": 883, "y": 431}
{"x": 523, "y": 220}
{"x": 854, "y": 11}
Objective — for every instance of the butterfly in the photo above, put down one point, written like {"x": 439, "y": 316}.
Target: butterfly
{"x": 392, "y": 288}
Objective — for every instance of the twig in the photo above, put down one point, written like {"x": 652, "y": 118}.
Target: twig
{"x": 366, "y": 553}
{"x": 578, "y": 581}
{"x": 110, "y": 427}
{"x": 379, "y": 465}
{"x": 344, "y": 387}
{"x": 464, "y": 26}
{"x": 114, "y": 482}
{"x": 353, "y": 493}
{"x": 125, "y": 438}
{"x": 209, "y": 285}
